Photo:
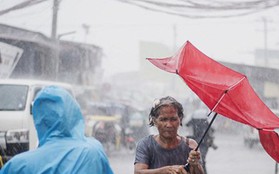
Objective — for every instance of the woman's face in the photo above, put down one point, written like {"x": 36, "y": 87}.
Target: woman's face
{"x": 167, "y": 122}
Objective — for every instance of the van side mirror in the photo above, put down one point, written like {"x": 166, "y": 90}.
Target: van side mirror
{"x": 31, "y": 106}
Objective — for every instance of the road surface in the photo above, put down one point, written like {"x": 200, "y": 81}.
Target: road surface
{"x": 231, "y": 157}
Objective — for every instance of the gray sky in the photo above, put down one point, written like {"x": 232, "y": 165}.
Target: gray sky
{"x": 118, "y": 27}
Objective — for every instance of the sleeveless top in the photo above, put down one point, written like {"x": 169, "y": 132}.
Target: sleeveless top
{"x": 151, "y": 153}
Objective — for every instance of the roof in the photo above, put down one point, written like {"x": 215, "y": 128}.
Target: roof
{"x": 256, "y": 72}
{"x": 15, "y": 33}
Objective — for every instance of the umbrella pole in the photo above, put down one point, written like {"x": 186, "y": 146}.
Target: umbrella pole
{"x": 276, "y": 168}
{"x": 187, "y": 166}
{"x": 207, "y": 129}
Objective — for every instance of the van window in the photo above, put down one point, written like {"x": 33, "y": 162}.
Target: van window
{"x": 13, "y": 97}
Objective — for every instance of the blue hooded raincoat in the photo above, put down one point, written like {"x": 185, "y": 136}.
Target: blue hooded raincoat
{"x": 63, "y": 148}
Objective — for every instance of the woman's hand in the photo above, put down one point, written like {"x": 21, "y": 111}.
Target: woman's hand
{"x": 175, "y": 169}
{"x": 194, "y": 157}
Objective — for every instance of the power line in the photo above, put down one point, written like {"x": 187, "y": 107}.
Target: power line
{"x": 204, "y": 8}
{"x": 22, "y": 5}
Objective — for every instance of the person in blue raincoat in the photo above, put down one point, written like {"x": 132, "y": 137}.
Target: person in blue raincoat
{"x": 63, "y": 147}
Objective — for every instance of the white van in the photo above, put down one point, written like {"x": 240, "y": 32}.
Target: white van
{"x": 17, "y": 130}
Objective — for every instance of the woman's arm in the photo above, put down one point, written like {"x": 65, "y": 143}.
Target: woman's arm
{"x": 143, "y": 169}
{"x": 194, "y": 159}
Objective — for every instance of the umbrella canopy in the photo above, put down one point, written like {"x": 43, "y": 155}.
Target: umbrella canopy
{"x": 224, "y": 91}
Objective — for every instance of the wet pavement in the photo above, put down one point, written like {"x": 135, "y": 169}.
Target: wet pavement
{"x": 232, "y": 156}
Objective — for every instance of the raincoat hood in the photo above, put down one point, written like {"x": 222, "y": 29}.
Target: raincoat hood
{"x": 57, "y": 114}
{"x": 63, "y": 147}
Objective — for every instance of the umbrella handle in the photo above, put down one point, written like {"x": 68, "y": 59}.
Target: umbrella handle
{"x": 187, "y": 165}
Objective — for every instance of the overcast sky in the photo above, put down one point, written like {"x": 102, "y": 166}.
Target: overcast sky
{"x": 118, "y": 27}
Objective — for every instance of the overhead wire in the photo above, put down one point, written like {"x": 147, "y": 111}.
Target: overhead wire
{"x": 21, "y": 5}
{"x": 31, "y": 13}
{"x": 204, "y": 9}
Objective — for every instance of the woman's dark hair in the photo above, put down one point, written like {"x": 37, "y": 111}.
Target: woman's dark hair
{"x": 155, "y": 110}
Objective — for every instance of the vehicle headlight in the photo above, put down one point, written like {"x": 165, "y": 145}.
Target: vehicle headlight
{"x": 17, "y": 136}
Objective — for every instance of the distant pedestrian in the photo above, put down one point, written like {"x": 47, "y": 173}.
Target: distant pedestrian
{"x": 63, "y": 148}
{"x": 199, "y": 124}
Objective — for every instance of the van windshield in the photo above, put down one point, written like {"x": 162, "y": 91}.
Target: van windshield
{"x": 13, "y": 97}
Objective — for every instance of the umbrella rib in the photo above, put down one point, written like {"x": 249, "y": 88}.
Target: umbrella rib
{"x": 226, "y": 91}
{"x": 236, "y": 83}
{"x": 223, "y": 95}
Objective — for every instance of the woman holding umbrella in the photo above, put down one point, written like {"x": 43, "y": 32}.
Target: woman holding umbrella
{"x": 199, "y": 123}
{"x": 166, "y": 152}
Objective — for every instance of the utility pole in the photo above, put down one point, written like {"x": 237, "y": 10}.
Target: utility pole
{"x": 174, "y": 46}
{"x": 265, "y": 42}
{"x": 86, "y": 31}
{"x": 54, "y": 19}
{"x": 56, "y": 59}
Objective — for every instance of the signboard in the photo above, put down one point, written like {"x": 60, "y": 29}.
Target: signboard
{"x": 9, "y": 56}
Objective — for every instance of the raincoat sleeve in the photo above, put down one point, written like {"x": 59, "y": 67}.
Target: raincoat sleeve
{"x": 104, "y": 165}
{"x": 88, "y": 157}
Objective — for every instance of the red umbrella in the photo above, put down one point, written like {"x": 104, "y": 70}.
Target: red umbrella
{"x": 224, "y": 91}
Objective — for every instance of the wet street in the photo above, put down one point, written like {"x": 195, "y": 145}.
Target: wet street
{"x": 232, "y": 156}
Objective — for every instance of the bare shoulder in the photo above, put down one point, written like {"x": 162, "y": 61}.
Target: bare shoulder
{"x": 192, "y": 143}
